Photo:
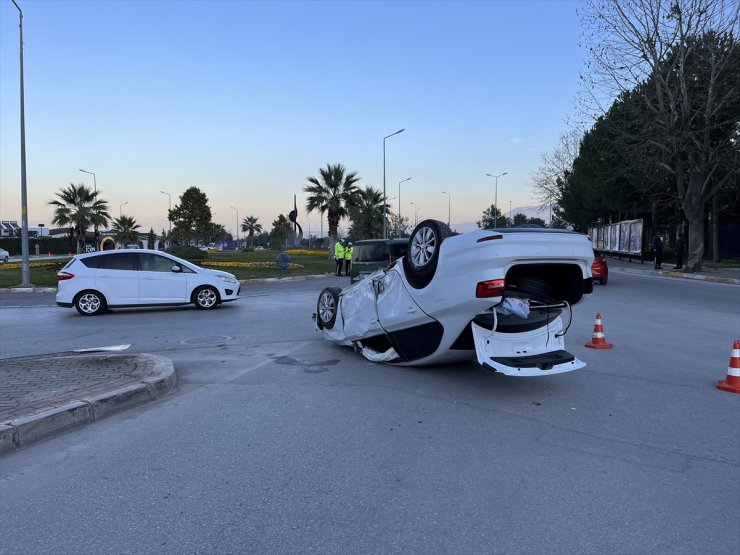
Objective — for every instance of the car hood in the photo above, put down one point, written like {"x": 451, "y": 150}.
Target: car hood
{"x": 217, "y": 273}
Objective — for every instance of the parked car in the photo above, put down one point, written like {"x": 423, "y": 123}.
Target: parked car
{"x": 95, "y": 282}
{"x": 4, "y": 255}
{"x": 500, "y": 296}
{"x": 599, "y": 268}
{"x": 372, "y": 254}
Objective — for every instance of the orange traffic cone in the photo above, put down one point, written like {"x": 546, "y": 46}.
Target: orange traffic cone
{"x": 732, "y": 383}
{"x": 598, "y": 341}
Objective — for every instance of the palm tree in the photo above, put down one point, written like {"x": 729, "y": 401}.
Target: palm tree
{"x": 367, "y": 215}
{"x": 250, "y": 226}
{"x": 125, "y": 229}
{"x": 334, "y": 194}
{"x": 78, "y": 207}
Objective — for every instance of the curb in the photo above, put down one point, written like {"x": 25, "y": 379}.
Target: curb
{"x": 89, "y": 408}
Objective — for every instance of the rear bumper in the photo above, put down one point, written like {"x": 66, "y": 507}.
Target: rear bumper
{"x": 538, "y": 352}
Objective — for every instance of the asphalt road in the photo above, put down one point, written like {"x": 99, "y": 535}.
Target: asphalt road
{"x": 279, "y": 442}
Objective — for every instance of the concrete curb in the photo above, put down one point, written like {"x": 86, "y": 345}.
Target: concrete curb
{"x": 88, "y": 409}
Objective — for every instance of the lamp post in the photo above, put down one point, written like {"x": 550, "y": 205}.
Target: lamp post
{"x": 385, "y": 230}
{"x": 169, "y": 197}
{"x": 95, "y": 223}
{"x": 495, "y": 198}
{"x": 237, "y": 226}
{"x": 416, "y": 213}
{"x": 25, "y": 264}
{"x": 399, "y": 197}
{"x": 120, "y": 207}
{"x": 449, "y": 201}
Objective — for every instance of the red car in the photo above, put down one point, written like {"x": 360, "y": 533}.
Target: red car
{"x": 599, "y": 269}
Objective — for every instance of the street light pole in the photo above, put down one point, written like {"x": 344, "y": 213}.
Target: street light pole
{"x": 416, "y": 213}
{"x": 119, "y": 209}
{"x": 449, "y": 201}
{"x": 495, "y": 198}
{"x": 95, "y": 196}
{"x": 25, "y": 264}
{"x": 237, "y": 226}
{"x": 385, "y": 230}
{"x": 169, "y": 196}
{"x": 399, "y": 198}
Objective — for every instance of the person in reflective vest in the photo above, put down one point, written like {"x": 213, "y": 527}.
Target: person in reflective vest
{"x": 339, "y": 256}
{"x": 347, "y": 258}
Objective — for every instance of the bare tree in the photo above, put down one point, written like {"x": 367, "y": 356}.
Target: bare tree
{"x": 554, "y": 165}
{"x": 682, "y": 57}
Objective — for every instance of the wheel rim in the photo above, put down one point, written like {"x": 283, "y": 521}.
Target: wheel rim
{"x": 206, "y": 298}
{"x": 423, "y": 245}
{"x": 89, "y": 303}
{"x": 327, "y": 306}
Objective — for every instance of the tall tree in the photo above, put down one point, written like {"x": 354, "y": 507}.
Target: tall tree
{"x": 366, "y": 216}
{"x": 191, "y": 217}
{"x": 683, "y": 58}
{"x": 78, "y": 207}
{"x": 332, "y": 195}
{"x": 491, "y": 218}
{"x": 125, "y": 230}
{"x": 250, "y": 227}
{"x": 398, "y": 226}
{"x": 280, "y": 229}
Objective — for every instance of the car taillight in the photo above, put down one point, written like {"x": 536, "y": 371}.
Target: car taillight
{"x": 64, "y": 275}
{"x": 489, "y": 238}
{"x": 490, "y": 288}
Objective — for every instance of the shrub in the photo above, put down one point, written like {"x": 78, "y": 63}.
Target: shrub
{"x": 188, "y": 253}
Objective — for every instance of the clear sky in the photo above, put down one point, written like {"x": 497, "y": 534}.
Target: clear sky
{"x": 245, "y": 99}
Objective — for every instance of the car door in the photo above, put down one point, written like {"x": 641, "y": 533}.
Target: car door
{"x": 158, "y": 283}
{"x": 117, "y": 278}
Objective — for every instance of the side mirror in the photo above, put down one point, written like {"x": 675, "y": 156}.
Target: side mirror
{"x": 176, "y": 269}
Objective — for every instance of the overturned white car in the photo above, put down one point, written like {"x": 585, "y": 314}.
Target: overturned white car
{"x": 503, "y": 296}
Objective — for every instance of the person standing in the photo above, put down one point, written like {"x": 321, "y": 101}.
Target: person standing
{"x": 339, "y": 256}
{"x": 348, "y": 250}
{"x": 658, "y": 251}
{"x": 679, "y": 252}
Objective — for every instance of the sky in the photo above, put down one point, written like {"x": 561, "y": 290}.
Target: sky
{"x": 246, "y": 99}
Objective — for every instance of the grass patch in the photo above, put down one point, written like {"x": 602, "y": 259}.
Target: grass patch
{"x": 244, "y": 265}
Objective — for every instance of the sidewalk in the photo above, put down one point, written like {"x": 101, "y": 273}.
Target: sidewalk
{"x": 41, "y": 396}
{"x": 730, "y": 275}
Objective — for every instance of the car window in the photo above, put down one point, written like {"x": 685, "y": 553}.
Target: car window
{"x": 156, "y": 263}
{"x": 371, "y": 253}
{"x": 120, "y": 261}
{"x": 90, "y": 262}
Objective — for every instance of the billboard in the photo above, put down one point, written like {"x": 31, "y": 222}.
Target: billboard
{"x": 622, "y": 237}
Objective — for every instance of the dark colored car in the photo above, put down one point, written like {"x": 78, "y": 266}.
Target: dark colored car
{"x": 599, "y": 269}
{"x": 373, "y": 254}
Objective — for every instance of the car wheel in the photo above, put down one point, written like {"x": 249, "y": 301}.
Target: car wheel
{"x": 422, "y": 254}
{"x": 326, "y": 307}
{"x": 90, "y": 303}
{"x": 5, "y": 259}
{"x": 205, "y": 297}
{"x": 529, "y": 287}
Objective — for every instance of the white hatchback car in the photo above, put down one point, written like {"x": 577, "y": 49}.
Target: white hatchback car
{"x": 494, "y": 295}
{"x": 121, "y": 278}
{"x": 4, "y": 255}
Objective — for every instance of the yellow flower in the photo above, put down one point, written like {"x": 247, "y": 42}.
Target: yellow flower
{"x": 268, "y": 265}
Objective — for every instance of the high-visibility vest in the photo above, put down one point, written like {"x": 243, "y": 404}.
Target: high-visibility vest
{"x": 348, "y": 253}
{"x": 338, "y": 250}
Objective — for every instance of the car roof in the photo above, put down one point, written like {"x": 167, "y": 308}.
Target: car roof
{"x": 105, "y": 253}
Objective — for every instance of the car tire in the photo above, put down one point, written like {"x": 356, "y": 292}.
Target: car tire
{"x": 5, "y": 259}
{"x": 422, "y": 255}
{"x": 90, "y": 303}
{"x": 529, "y": 287}
{"x": 205, "y": 298}
{"x": 327, "y": 307}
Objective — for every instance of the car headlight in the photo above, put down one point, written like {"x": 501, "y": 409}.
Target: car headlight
{"x": 227, "y": 279}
